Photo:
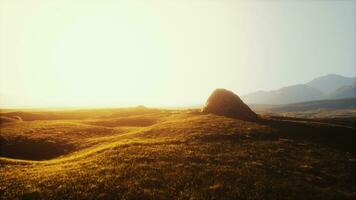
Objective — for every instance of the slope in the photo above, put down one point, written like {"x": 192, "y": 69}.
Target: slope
{"x": 349, "y": 103}
{"x": 190, "y": 155}
{"x": 286, "y": 95}
{"x": 330, "y": 82}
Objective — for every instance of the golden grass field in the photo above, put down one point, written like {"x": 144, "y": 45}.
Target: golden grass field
{"x": 140, "y": 153}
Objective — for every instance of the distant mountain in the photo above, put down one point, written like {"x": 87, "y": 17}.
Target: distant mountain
{"x": 331, "y": 86}
{"x": 286, "y": 95}
{"x": 331, "y": 82}
{"x": 346, "y": 91}
{"x": 349, "y": 103}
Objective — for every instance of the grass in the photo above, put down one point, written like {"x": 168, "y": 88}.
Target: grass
{"x": 179, "y": 155}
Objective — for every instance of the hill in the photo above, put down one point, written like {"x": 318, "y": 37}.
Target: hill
{"x": 331, "y": 86}
{"x": 330, "y": 82}
{"x": 286, "y": 95}
{"x": 318, "y": 105}
{"x": 180, "y": 154}
{"x": 347, "y": 91}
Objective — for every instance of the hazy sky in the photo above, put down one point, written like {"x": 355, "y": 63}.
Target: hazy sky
{"x": 166, "y": 53}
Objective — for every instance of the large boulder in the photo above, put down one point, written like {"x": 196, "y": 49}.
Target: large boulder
{"x": 226, "y": 103}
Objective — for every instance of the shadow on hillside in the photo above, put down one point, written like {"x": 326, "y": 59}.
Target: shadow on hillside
{"x": 339, "y": 137}
{"x": 32, "y": 149}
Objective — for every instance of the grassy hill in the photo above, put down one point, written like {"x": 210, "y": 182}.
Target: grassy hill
{"x": 169, "y": 154}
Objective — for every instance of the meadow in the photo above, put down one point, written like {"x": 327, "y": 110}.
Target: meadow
{"x": 142, "y": 153}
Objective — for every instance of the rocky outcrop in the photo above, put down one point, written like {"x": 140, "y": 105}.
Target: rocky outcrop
{"x": 226, "y": 103}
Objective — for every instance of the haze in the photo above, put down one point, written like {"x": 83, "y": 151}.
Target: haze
{"x": 166, "y": 53}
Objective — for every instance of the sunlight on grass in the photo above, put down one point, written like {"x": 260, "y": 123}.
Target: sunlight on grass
{"x": 183, "y": 154}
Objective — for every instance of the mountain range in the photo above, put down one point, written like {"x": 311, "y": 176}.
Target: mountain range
{"x": 331, "y": 86}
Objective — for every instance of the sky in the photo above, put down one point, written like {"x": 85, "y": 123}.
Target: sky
{"x": 59, "y": 53}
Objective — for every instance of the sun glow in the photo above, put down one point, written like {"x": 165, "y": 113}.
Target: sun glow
{"x": 162, "y": 53}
